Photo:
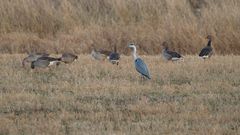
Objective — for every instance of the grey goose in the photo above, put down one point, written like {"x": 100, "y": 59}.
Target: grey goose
{"x": 207, "y": 51}
{"x": 170, "y": 55}
{"x": 114, "y": 57}
{"x": 99, "y": 54}
{"x": 44, "y": 62}
{"x": 33, "y": 57}
{"x": 68, "y": 58}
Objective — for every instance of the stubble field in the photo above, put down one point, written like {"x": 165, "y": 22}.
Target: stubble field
{"x": 91, "y": 97}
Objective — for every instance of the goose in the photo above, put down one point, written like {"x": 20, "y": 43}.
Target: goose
{"x": 44, "y": 62}
{"x": 33, "y": 57}
{"x": 170, "y": 55}
{"x": 97, "y": 55}
{"x": 140, "y": 66}
{"x": 114, "y": 56}
{"x": 68, "y": 58}
{"x": 105, "y": 52}
{"x": 207, "y": 51}
{"x": 100, "y": 54}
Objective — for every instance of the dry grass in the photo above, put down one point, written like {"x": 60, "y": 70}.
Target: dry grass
{"x": 73, "y": 25}
{"x": 89, "y": 97}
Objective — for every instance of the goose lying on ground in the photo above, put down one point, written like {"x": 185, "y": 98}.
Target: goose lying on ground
{"x": 33, "y": 57}
{"x": 68, "y": 58}
{"x": 44, "y": 62}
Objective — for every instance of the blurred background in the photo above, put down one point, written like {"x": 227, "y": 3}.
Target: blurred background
{"x": 57, "y": 26}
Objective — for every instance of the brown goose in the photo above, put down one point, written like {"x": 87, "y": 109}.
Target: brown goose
{"x": 68, "y": 58}
{"x": 207, "y": 51}
{"x": 44, "y": 62}
{"x": 100, "y": 54}
{"x": 33, "y": 57}
{"x": 170, "y": 55}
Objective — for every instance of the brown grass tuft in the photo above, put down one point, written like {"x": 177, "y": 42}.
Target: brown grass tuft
{"x": 90, "y": 97}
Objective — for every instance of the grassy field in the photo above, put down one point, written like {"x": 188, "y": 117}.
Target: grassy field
{"x": 91, "y": 97}
{"x": 74, "y": 25}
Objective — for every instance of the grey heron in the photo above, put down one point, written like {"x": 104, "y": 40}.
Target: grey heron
{"x": 140, "y": 66}
{"x": 207, "y": 51}
{"x": 68, "y": 58}
{"x": 170, "y": 55}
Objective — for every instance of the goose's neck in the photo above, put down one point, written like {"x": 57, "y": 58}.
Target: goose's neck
{"x": 209, "y": 42}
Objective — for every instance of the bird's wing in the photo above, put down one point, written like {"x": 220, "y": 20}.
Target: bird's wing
{"x": 205, "y": 51}
{"x": 174, "y": 54}
{"x": 166, "y": 55}
{"x": 41, "y": 63}
{"x": 141, "y": 67}
{"x": 49, "y": 59}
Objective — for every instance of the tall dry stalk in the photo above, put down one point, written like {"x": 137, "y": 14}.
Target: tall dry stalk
{"x": 73, "y": 25}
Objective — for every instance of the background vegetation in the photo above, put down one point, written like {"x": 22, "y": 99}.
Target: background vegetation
{"x": 74, "y": 25}
{"x": 89, "y": 97}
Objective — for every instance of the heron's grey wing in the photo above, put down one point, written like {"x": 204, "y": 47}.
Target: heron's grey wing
{"x": 141, "y": 67}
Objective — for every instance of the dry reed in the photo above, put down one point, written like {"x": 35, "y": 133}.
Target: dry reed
{"x": 71, "y": 25}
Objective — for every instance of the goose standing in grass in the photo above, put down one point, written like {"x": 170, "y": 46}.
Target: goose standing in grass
{"x": 100, "y": 54}
{"x": 114, "y": 56}
{"x": 140, "y": 66}
{"x": 68, "y": 58}
{"x": 44, "y": 62}
{"x": 170, "y": 55}
{"x": 207, "y": 51}
{"x": 97, "y": 55}
{"x": 33, "y": 57}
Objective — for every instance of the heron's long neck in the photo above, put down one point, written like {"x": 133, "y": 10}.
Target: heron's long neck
{"x": 209, "y": 42}
{"x": 134, "y": 53}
